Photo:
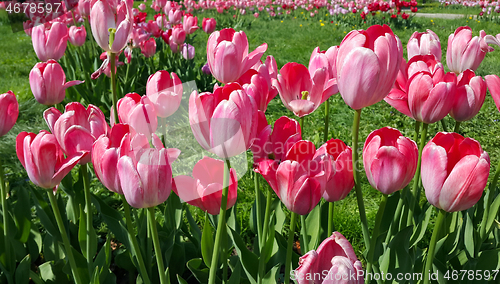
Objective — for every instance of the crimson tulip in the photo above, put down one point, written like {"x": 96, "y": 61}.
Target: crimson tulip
{"x": 341, "y": 180}
{"x": 228, "y": 57}
{"x": 464, "y": 51}
{"x": 208, "y": 25}
{"x": 334, "y": 255}
{"x": 50, "y": 43}
{"x": 165, "y": 92}
{"x": 43, "y": 158}
{"x": 9, "y": 111}
{"x": 48, "y": 82}
{"x": 469, "y": 96}
{"x": 367, "y": 65}
{"x": 148, "y": 47}
{"x": 390, "y": 160}
{"x": 454, "y": 171}
{"x": 423, "y": 44}
{"x": 204, "y": 189}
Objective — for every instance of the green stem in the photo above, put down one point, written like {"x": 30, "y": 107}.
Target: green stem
{"x": 357, "y": 181}
{"x": 301, "y": 123}
{"x": 289, "y": 249}
{"x": 417, "y": 130}
{"x": 331, "y": 210}
{"x": 220, "y": 225}
{"x": 395, "y": 221}
{"x": 303, "y": 231}
{"x": 443, "y": 123}
{"x": 88, "y": 212}
{"x": 64, "y": 236}
{"x": 457, "y": 126}
{"x": 258, "y": 213}
{"x": 327, "y": 119}
{"x": 378, "y": 220}
{"x": 149, "y": 244}
{"x": 133, "y": 240}
{"x": 262, "y": 260}
{"x": 432, "y": 246}
{"x": 112, "y": 58}
{"x": 6, "y": 231}
{"x": 493, "y": 184}
{"x": 156, "y": 243}
{"x": 416, "y": 190}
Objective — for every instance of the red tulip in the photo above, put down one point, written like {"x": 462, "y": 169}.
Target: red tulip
{"x": 208, "y": 25}
{"x": 148, "y": 47}
{"x": 44, "y": 160}
{"x": 138, "y": 112}
{"x": 48, "y": 83}
{"x": 424, "y": 44}
{"x": 9, "y": 111}
{"x": 204, "y": 189}
{"x": 342, "y": 179}
{"x": 165, "y": 92}
{"x": 77, "y": 129}
{"x": 228, "y": 57}
{"x": 77, "y": 35}
{"x": 225, "y": 122}
{"x": 390, "y": 160}
{"x": 300, "y": 92}
{"x": 464, "y": 51}
{"x": 454, "y": 171}
{"x": 334, "y": 255}
{"x": 50, "y": 44}
{"x": 469, "y": 96}
{"x": 105, "y": 17}
{"x": 190, "y": 24}
{"x": 367, "y": 65}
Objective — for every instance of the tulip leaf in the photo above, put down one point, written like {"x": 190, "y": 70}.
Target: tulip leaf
{"x": 199, "y": 272}
{"x": 235, "y": 274}
{"x": 492, "y": 214}
{"x": 22, "y": 271}
{"x": 35, "y": 277}
{"x": 22, "y": 215}
{"x": 280, "y": 215}
{"x": 396, "y": 255}
{"x": 249, "y": 260}
{"x": 194, "y": 229}
{"x": 313, "y": 224}
{"x": 421, "y": 227}
{"x": 271, "y": 276}
{"x": 113, "y": 219}
{"x": 83, "y": 235}
{"x": 207, "y": 242}
{"x": 489, "y": 260}
{"x": 81, "y": 264}
{"x": 269, "y": 244}
{"x": 44, "y": 213}
{"x": 469, "y": 236}
{"x": 173, "y": 212}
{"x": 181, "y": 280}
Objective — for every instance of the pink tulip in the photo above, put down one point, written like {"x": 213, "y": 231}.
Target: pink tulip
{"x": 300, "y": 178}
{"x": 208, "y": 25}
{"x": 257, "y": 82}
{"x": 165, "y": 92}
{"x": 142, "y": 7}
{"x": 225, "y": 122}
{"x": 334, "y": 255}
{"x": 106, "y": 152}
{"x": 50, "y": 44}
{"x": 138, "y": 112}
{"x": 493, "y": 84}
{"x": 9, "y": 111}
{"x": 106, "y": 17}
{"x": 188, "y": 51}
{"x": 342, "y": 179}
{"x": 77, "y": 129}
{"x": 424, "y": 44}
{"x": 84, "y": 7}
{"x": 146, "y": 180}
{"x": 44, "y": 160}
{"x": 228, "y": 57}
{"x": 174, "y": 17}
{"x": 300, "y": 92}
{"x": 469, "y": 96}
{"x": 324, "y": 59}
{"x": 77, "y": 35}
{"x": 390, "y": 160}
{"x": 367, "y": 65}
{"x": 148, "y": 47}
{"x": 464, "y": 51}
{"x": 454, "y": 171}
{"x": 178, "y": 35}
{"x": 190, "y": 24}
{"x": 48, "y": 83}
{"x": 204, "y": 189}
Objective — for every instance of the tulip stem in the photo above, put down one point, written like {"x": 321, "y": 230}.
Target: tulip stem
{"x": 357, "y": 181}
{"x": 221, "y": 225}
{"x": 457, "y": 126}
{"x": 62, "y": 229}
{"x": 432, "y": 246}
{"x": 416, "y": 189}
{"x": 493, "y": 184}
{"x": 327, "y": 119}
{"x": 6, "y": 232}
{"x": 443, "y": 123}
{"x": 156, "y": 243}
{"x": 305, "y": 237}
{"x": 376, "y": 229}
{"x": 289, "y": 249}
{"x": 331, "y": 210}
{"x": 88, "y": 212}
{"x": 263, "y": 253}
{"x": 133, "y": 241}
{"x": 395, "y": 221}
{"x": 258, "y": 202}
{"x": 112, "y": 58}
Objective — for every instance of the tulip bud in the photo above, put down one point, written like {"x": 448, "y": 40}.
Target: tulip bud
{"x": 148, "y": 47}
{"x": 341, "y": 181}
{"x": 188, "y": 51}
{"x": 464, "y": 51}
{"x": 190, "y": 24}
{"x": 208, "y": 25}
{"x": 469, "y": 96}
{"x": 424, "y": 44}
{"x": 9, "y": 111}
{"x": 50, "y": 44}
{"x": 77, "y": 35}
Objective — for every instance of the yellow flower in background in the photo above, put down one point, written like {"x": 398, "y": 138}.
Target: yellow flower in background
{"x": 301, "y": 25}
{"x": 322, "y": 24}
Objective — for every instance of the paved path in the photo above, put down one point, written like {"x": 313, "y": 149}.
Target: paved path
{"x": 441, "y": 16}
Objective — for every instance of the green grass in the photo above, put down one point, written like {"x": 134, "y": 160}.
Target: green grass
{"x": 438, "y": 8}
{"x": 289, "y": 39}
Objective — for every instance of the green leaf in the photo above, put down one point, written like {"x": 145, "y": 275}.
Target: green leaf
{"x": 195, "y": 230}
{"x": 421, "y": 227}
{"x": 113, "y": 219}
{"x": 469, "y": 236}
{"x": 249, "y": 260}
{"x": 22, "y": 215}
{"x": 173, "y": 212}
{"x": 235, "y": 275}
{"x": 492, "y": 215}
{"x": 280, "y": 215}
{"x": 35, "y": 277}
{"x": 489, "y": 260}
{"x": 181, "y": 280}
{"x": 207, "y": 242}
{"x": 271, "y": 276}
{"x": 396, "y": 255}
{"x": 22, "y": 271}
{"x": 44, "y": 213}
{"x": 83, "y": 235}
{"x": 313, "y": 224}
{"x": 200, "y": 273}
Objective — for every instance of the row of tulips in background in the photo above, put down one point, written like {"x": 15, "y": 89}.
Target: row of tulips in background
{"x": 489, "y": 9}
{"x": 129, "y": 158}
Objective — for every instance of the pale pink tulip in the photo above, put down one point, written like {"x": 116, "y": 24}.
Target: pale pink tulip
{"x": 178, "y": 35}
{"x": 493, "y": 84}
{"x": 190, "y": 24}
{"x": 9, "y": 111}
{"x": 174, "y": 17}
{"x": 165, "y": 92}
{"x": 454, "y": 171}
{"x": 77, "y": 35}
{"x": 50, "y": 43}
{"x": 106, "y": 17}
{"x": 464, "y": 51}
{"x": 367, "y": 65}
{"x": 423, "y": 44}
{"x": 138, "y": 112}
{"x": 188, "y": 51}
{"x": 469, "y": 96}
